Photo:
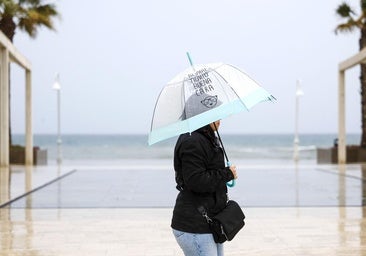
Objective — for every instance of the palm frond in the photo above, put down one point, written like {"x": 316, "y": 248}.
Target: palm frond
{"x": 37, "y": 16}
{"x": 345, "y": 11}
{"x": 349, "y": 26}
{"x": 8, "y": 8}
{"x": 47, "y": 10}
{"x": 35, "y": 19}
{"x": 343, "y": 28}
{"x": 29, "y": 2}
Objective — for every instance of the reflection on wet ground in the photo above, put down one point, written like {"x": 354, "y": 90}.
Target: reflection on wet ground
{"x": 291, "y": 210}
{"x": 256, "y": 187}
{"x": 17, "y": 181}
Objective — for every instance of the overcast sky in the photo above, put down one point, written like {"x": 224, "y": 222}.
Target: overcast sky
{"x": 114, "y": 57}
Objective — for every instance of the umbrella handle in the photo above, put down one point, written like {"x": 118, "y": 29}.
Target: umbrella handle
{"x": 232, "y": 182}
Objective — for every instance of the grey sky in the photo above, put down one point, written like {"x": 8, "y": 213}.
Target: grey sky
{"x": 114, "y": 57}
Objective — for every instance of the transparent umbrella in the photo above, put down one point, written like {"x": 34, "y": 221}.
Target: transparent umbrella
{"x": 201, "y": 95}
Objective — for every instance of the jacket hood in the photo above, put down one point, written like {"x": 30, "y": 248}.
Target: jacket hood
{"x": 210, "y": 134}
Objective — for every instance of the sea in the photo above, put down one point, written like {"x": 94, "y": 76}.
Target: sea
{"x": 110, "y": 171}
{"x": 122, "y": 148}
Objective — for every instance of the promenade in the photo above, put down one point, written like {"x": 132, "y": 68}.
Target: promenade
{"x": 126, "y": 210}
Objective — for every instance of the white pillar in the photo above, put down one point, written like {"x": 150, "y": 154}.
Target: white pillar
{"x": 28, "y": 119}
{"x": 341, "y": 118}
{"x": 4, "y": 185}
{"x": 4, "y": 107}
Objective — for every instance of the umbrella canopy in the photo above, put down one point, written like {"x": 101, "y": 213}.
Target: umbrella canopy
{"x": 201, "y": 95}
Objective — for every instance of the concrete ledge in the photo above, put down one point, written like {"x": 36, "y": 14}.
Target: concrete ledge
{"x": 354, "y": 154}
{"x": 17, "y": 155}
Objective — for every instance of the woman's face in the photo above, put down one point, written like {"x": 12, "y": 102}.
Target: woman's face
{"x": 216, "y": 123}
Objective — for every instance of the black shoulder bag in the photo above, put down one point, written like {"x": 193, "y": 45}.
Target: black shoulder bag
{"x": 227, "y": 223}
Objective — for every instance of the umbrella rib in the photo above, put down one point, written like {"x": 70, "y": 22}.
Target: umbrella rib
{"x": 232, "y": 89}
{"x": 241, "y": 71}
{"x": 183, "y": 101}
{"x": 156, "y": 103}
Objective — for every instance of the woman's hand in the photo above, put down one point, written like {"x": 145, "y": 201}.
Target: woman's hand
{"x": 233, "y": 170}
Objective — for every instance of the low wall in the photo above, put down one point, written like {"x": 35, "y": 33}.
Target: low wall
{"x": 17, "y": 155}
{"x": 354, "y": 154}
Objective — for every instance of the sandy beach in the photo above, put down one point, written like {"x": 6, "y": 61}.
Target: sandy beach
{"x": 110, "y": 210}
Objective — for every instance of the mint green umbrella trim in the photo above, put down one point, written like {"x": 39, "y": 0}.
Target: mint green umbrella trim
{"x": 195, "y": 122}
{"x": 255, "y": 97}
{"x": 207, "y": 117}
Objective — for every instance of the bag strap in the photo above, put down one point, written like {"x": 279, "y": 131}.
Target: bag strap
{"x": 200, "y": 208}
{"x": 203, "y": 211}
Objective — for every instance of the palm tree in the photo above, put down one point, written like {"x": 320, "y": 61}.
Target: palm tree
{"x": 28, "y": 16}
{"x": 352, "y": 22}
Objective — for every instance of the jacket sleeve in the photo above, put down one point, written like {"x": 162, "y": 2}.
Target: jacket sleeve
{"x": 196, "y": 176}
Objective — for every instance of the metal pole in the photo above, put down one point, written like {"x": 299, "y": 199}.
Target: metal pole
{"x": 59, "y": 141}
{"x": 57, "y": 87}
{"x": 296, "y": 137}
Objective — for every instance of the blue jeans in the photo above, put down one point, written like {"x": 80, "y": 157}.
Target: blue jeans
{"x": 198, "y": 244}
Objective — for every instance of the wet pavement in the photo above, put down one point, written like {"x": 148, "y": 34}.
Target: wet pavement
{"x": 277, "y": 186}
{"x": 124, "y": 210}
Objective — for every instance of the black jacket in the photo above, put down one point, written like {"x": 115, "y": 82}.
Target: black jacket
{"x": 200, "y": 173}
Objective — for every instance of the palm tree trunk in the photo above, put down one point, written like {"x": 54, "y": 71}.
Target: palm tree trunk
{"x": 363, "y": 90}
{"x": 7, "y": 26}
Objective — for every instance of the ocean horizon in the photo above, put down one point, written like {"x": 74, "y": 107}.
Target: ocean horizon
{"x": 117, "y": 148}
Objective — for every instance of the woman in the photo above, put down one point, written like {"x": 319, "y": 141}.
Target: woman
{"x": 201, "y": 178}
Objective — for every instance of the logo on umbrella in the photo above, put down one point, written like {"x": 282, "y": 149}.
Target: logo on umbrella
{"x": 209, "y": 101}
